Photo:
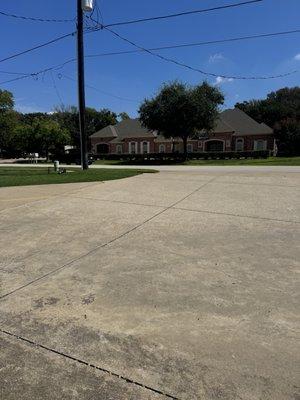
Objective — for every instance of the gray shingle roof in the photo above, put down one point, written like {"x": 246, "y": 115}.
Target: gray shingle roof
{"x": 230, "y": 121}
{"x": 107, "y": 132}
{"x": 129, "y": 128}
{"x": 242, "y": 124}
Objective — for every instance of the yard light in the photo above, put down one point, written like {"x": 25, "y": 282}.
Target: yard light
{"x": 87, "y": 5}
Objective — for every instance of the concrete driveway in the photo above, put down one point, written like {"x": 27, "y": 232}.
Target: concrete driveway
{"x": 178, "y": 285}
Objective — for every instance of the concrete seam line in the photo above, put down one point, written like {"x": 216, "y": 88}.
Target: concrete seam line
{"x": 104, "y": 244}
{"x": 119, "y": 202}
{"x": 106, "y": 371}
{"x": 222, "y": 183}
{"x": 236, "y": 215}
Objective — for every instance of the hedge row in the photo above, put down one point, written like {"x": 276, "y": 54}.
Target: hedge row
{"x": 179, "y": 156}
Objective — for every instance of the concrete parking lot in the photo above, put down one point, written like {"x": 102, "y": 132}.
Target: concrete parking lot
{"x": 182, "y": 284}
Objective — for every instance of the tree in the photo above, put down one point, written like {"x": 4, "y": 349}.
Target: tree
{"x": 281, "y": 111}
{"x": 42, "y": 136}
{"x": 6, "y": 101}
{"x": 123, "y": 116}
{"x": 182, "y": 111}
{"x": 49, "y": 136}
{"x": 8, "y": 120}
{"x": 95, "y": 120}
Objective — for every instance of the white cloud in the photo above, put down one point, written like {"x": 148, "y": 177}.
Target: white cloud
{"x": 297, "y": 57}
{"x": 25, "y": 109}
{"x": 214, "y": 58}
{"x": 220, "y": 80}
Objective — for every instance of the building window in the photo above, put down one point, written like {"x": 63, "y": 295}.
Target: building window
{"x": 228, "y": 143}
{"x": 102, "y": 148}
{"x": 162, "y": 148}
{"x": 200, "y": 145}
{"x": 239, "y": 144}
{"x": 189, "y": 148}
{"x": 119, "y": 149}
{"x": 260, "y": 145}
{"x": 145, "y": 147}
{"x": 214, "y": 145}
{"x": 132, "y": 147}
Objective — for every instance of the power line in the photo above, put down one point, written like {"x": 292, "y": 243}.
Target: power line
{"x": 160, "y": 17}
{"x": 133, "y": 21}
{"x": 56, "y": 89}
{"x": 12, "y": 73}
{"x": 141, "y": 50}
{"x": 35, "y": 19}
{"x": 38, "y": 46}
{"x": 114, "y": 24}
{"x": 36, "y": 74}
{"x": 195, "y": 44}
{"x": 98, "y": 90}
{"x": 170, "y": 60}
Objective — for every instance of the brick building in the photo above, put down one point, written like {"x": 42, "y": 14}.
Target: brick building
{"x": 234, "y": 131}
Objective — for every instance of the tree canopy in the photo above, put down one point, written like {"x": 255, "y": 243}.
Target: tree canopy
{"x": 281, "y": 111}
{"x": 46, "y": 132}
{"x": 181, "y": 111}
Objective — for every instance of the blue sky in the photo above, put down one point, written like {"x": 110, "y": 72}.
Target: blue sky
{"x": 136, "y": 76}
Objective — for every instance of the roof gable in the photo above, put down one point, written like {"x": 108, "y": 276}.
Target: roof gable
{"x": 242, "y": 124}
{"x": 107, "y": 132}
{"x": 128, "y": 128}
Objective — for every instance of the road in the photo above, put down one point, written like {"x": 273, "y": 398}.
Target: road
{"x": 176, "y": 285}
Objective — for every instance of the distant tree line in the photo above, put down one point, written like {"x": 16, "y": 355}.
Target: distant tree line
{"x": 43, "y": 133}
{"x": 281, "y": 111}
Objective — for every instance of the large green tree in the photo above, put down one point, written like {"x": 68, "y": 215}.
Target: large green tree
{"x": 67, "y": 117}
{"x": 42, "y": 136}
{"x": 182, "y": 111}
{"x": 281, "y": 111}
{"x": 8, "y": 121}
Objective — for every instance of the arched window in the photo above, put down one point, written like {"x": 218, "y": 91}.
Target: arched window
{"x": 132, "y": 147}
{"x": 119, "y": 149}
{"x": 162, "y": 148}
{"x": 189, "y": 148}
{"x": 239, "y": 144}
{"x": 145, "y": 147}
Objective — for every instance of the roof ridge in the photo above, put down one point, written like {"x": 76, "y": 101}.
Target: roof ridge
{"x": 114, "y": 131}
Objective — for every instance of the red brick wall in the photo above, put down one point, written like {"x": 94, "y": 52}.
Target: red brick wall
{"x": 198, "y": 145}
{"x": 249, "y": 142}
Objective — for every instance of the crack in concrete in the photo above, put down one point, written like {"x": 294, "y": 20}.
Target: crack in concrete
{"x": 236, "y": 215}
{"x": 106, "y": 371}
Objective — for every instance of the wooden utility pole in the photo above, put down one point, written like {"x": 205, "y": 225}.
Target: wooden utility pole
{"x": 81, "y": 89}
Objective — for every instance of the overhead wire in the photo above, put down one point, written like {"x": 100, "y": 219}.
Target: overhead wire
{"x": 140, "y": 50}
{"x": 37, "y": 47}
{"x": 181, "y": 64}
{"x": 184, "y": 13}
{"x": 98, "y": 90}
{"x": 35, "y": 18}
{"x": 196, "y": 44}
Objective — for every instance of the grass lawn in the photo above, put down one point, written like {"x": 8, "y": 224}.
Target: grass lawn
{"x": 19, "y": 176}
{"x": 261, "y": 161}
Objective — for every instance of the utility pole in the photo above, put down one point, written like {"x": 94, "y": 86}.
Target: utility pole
{"x": 81, "y": 89}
